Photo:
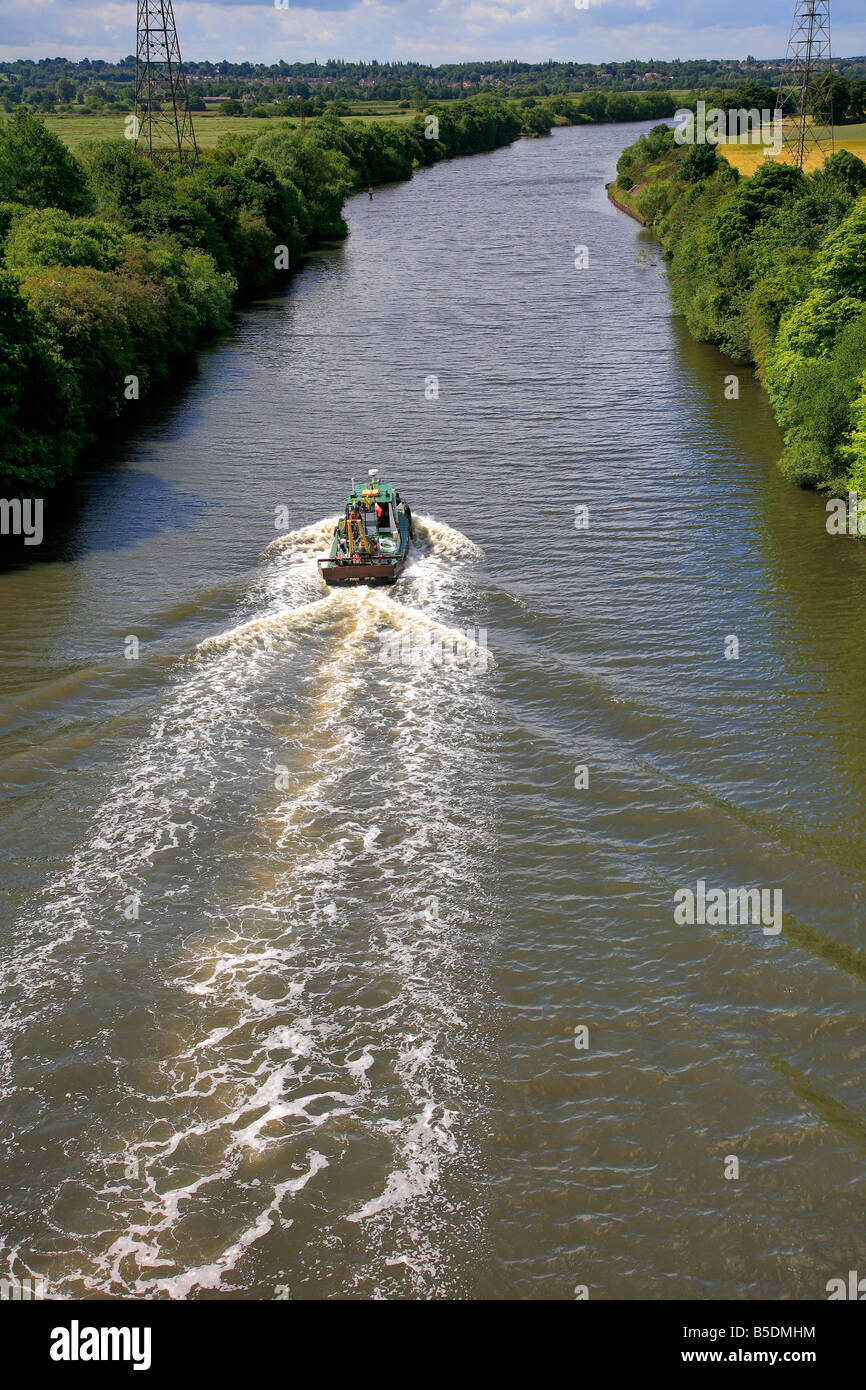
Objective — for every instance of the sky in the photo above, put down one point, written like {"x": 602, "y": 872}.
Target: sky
{"x": 429, "y": 31}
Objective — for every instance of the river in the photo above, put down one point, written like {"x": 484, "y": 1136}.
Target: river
{"x": 307, "y": 896}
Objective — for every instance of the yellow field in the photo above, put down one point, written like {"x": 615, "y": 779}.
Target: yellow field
{"x": 746, "y": 158}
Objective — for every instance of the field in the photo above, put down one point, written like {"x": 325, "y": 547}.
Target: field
{"x": 209, "y": 125}
{"x": 746, "y": 158}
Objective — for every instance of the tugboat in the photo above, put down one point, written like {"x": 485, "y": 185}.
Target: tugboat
{"x": 371, "y": 540}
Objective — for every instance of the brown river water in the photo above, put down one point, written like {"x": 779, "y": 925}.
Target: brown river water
{"x": 302, "y": 910}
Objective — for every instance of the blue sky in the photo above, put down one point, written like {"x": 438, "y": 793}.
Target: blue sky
{"x": 433, "y": 31}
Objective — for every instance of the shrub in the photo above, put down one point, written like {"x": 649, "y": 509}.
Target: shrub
{"x": 701, "y": 162}
{"x": 48, "y": 236}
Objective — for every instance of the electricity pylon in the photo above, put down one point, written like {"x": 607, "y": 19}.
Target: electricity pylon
{"x": 163, "y": 123}
{"x": 806, "y": 88}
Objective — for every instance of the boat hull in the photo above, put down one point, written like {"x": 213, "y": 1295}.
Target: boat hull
{"x": 339, "y": 576}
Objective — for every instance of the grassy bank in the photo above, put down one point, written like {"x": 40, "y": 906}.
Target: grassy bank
{"x": 770, "y": 268}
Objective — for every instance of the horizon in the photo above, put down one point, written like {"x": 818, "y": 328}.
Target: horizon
{"x": 757, "y": 58}
{"x": 431, "y": 32}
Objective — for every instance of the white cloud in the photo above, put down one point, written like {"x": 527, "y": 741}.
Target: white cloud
{"x": 424, "y": 30}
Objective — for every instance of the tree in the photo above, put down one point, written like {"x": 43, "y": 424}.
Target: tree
{"x": 119, "y": 177}
{"x": 323, "y": 176}
{"x": 49, "y": 236}
{"x": 748, "y": 96}
{"x": 853, "y": 449}
{"x": 831, "y": 93}
{"x": 841, "y": 264}
{"x": 37, "y": 168}
{"x": 38, "y": 438}
{"x": 822, "y": 407}
{"x": 701, "y": 162}
{"x": 846, "y": 171}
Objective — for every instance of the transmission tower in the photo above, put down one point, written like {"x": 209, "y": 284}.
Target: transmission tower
{"x": 806, "y": 88}
{"x": 163, "y": 124}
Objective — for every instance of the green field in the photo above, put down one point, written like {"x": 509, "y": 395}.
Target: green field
{"x": 209, "y": 126}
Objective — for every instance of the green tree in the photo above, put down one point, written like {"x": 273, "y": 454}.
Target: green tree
{"x": 38, "y": 406}
{"x": 323, "y": 176}
{"x": 841, "y": 264}
{"x": 120, "y": 178}
{"x": 853, "y": 448}
{"x": 36, "y": 167}
{"x": 701, "y": 162}
{"x": 821, "y": 412}
{"x": 48, "y": 236}
{"x": 845, "y": 171}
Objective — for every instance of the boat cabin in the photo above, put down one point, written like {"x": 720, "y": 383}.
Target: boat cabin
{"x": 370, "y": 521}
{"x": 371, "y": 540}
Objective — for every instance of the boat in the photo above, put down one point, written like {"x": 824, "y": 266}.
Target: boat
{"x": 371, "y": 540}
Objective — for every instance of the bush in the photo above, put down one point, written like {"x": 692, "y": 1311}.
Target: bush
{"x": 653, "y": 201}
{"x": 701, "y": 162}
{"x": 51, "y": 237}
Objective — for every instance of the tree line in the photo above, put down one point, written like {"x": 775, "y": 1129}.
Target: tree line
{"x": 93, "y": 85}
{"x": 113, "y": 268}
{"x": 772, "y": 270}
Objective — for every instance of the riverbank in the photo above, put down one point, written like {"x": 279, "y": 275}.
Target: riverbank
{"x": 623, "y": 205}
{"x": 116, "y": 270}
{"x": 771, "y": 269}
{"x": 401, "y": 978}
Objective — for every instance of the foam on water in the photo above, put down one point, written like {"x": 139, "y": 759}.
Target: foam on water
{"x": 315, "y": 978}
